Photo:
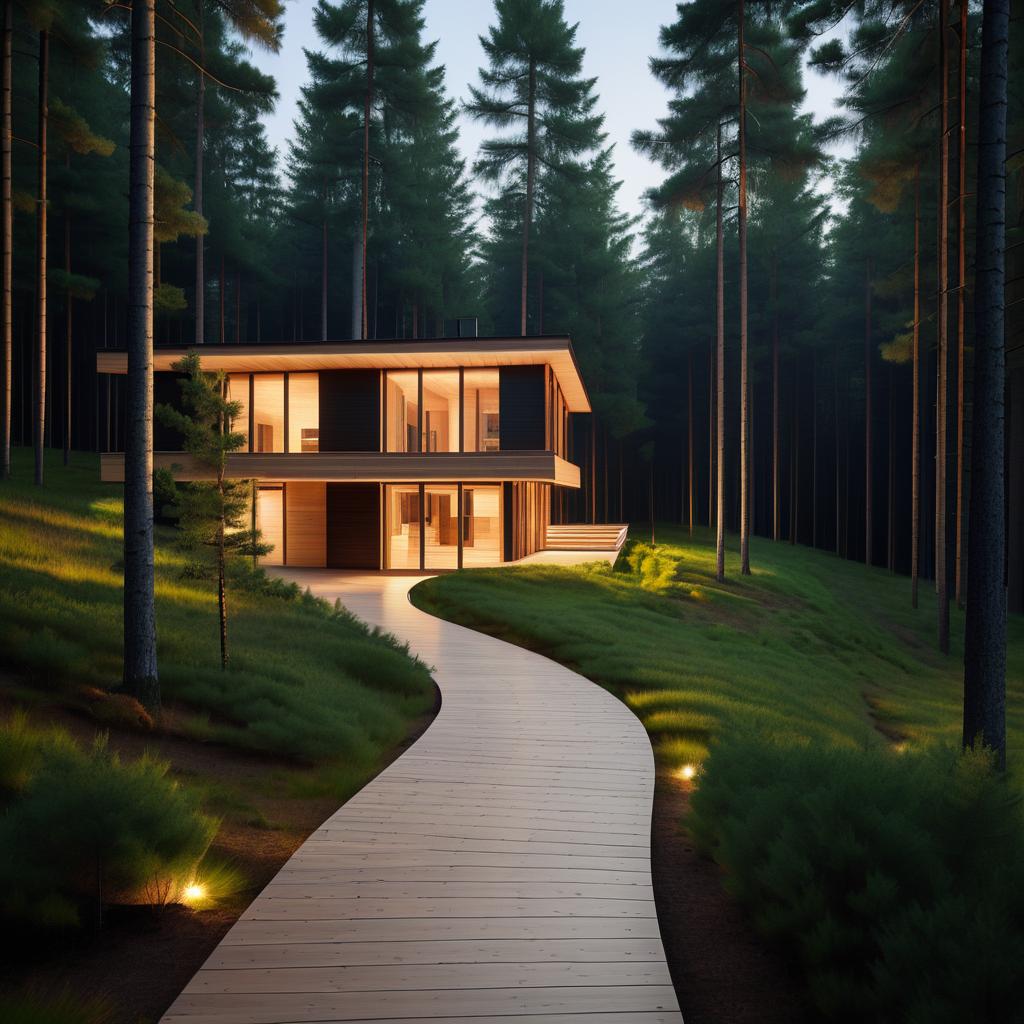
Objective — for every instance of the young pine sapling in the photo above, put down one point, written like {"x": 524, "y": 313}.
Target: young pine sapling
{"x": 213, "y": 515}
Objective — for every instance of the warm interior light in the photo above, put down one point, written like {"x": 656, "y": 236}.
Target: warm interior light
{"x": 687, "y": 772}
{"x": 193, "y": 893}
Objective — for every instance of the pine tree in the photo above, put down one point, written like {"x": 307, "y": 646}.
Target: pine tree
{"x": 212, "y": 515}
{"x": 532, "y": 86}
{"x": 985, "y": 635}
{"x": 140, "y": 662}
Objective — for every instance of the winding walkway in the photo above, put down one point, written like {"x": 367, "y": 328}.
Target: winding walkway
{"x": 499, "y": 869}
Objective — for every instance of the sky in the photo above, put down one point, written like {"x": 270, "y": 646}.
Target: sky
{"x": 617, "y": 47}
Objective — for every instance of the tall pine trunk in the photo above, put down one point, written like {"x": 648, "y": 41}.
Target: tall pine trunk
{"x": 6, "y": 236}
{"x": 222, "y": 596}
{"x": 835, "y": 418}
{"x": 961, "y": 301}
{"x": 868, "y": 447}
{"x": 941, "y": 375}
{"x": 367, "y": 111}
{"x": 689, "y": 437}
{"x": 985, "y": 636}
{"x": 197, "y": 192}
{"x": 775, "y": 405}
{"x": 140, "y": 664}
{"x": 39, "y": 417}
{"x": 719, "y": 372}
{"x": 814, "y": 448}
{"x": 68, "y": 310}
{"x": 915, "y": 441}
{"x": 744, "y": 386}
{"x": 531, "y": 159}
{"x": 323, "y": 275}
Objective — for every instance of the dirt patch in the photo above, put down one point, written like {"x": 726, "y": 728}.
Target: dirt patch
{"x": 139, "y": 962}
{"x": 723, "y": 971}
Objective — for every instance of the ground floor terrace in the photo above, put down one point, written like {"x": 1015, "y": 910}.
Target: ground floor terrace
{"x": 410, "y": 526}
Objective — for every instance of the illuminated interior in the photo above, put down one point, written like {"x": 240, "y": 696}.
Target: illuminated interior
{"x": 401, "y": 398}
{"x": 440, "y": 411}
{"x": 441, "y": 526}
{"x": 480, "y": 411}
{"x": 303, "y": 412}
{"x": 268, "y": 412}
{"x": 238, "y": 391}
{"x": 481, "y": 526}
{"x": 270, "y": 521}
{"x": 402, "y": 527}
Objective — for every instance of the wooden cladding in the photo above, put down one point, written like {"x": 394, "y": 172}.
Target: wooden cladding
{"x": 353, "y": 526}
{"x": 439, "y": 467}
{"x": 527, "y": 515}
{"x": 306, "y": 516}
{"x": 349, "y": 411}
{"x": 523, "y": 408}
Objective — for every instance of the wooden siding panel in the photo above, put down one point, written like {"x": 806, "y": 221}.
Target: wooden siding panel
{"x": 353, "y": 526}
{"x": 522, "y": 408}
{"x": 307, "y": 524}
{"x": 350, "y": 411}
{"x": 434, "y": 467}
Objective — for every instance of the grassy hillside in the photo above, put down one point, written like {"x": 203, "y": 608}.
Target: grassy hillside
{"x": 304, "y": 680}
{"x": 313, "y": 705}
{"x": 806, "y": 729}
{"x": 809, "y": 646}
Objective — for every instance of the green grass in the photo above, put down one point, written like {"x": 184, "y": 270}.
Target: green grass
{"x": 305, "y": 681}
{"x": 810, "y": 647}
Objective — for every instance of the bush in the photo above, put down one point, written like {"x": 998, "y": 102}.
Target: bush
{"x": 53, "y": 1009}
{"x": 898, "y": 879}
{"x": 81, "y": 828}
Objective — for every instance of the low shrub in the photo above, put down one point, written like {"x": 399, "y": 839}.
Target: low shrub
{"x": 897, "y": 879}
{"x": 53, "y": 1009}
{"x": 80, "y": 828}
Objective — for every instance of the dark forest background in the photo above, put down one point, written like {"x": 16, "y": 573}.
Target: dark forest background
{"x": 852, "y": 266}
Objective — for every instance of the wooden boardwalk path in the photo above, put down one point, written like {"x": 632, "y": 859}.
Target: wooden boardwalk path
{"x": 499, "y": 869}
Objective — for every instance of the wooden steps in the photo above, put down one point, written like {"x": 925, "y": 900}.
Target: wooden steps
{"x": 586, "y": 537}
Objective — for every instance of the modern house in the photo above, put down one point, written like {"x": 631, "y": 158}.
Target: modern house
{"x": 414, "y": 455}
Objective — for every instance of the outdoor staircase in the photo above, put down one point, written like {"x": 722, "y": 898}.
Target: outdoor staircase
{"x": 586, "y": 537}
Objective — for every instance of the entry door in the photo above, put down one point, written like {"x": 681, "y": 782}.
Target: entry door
{"x": 353, "y": 526}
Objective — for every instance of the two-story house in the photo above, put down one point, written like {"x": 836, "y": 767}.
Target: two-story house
{"x": 409, "y": 455}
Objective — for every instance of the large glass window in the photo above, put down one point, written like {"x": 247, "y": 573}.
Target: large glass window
{"x": 402, "y": 528}
{"x": 238, "y": 391}
{"x": 440, "y": 411}
{"x": 401, "y": 398}
{"x": 268, "y": 412}
{"x": 303, "y": 412}
{"x": 481, "y": 526}
{"x": 441, "y": 527}
{"x": 480, "y": 411}
{"x": 270, "y": 521}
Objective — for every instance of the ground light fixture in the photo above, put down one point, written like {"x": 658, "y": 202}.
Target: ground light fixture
{"x": 193, "y": 894}
{"x": 686, "y": 772}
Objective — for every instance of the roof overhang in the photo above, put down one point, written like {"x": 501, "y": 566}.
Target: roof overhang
{"x": 378, "y": 467}
{"x": 391, "y": 355}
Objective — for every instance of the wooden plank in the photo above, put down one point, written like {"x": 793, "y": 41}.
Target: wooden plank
{"x": 445, "y": 951}
{"x": 500, "y": 868}
{"x": 442, "y": 1004}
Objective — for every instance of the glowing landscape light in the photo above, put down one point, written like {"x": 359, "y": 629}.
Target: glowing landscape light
{"x": 687, "y": 772}
{"x": 193, "y": 893}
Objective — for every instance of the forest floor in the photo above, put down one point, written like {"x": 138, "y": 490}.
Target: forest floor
{"x": 311, "y": 708}
{"x": 809, "y": 648}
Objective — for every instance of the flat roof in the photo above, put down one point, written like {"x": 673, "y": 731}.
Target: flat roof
{"x": 555, "y": 350}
